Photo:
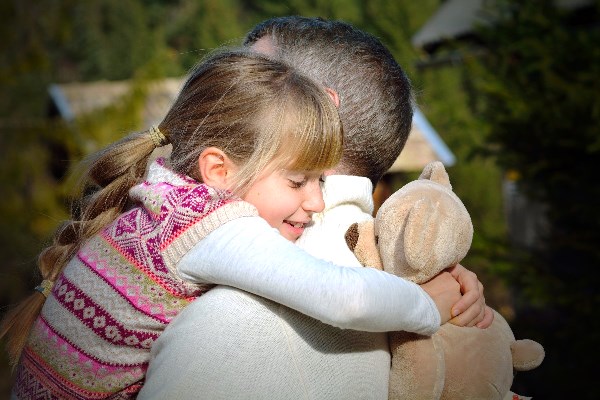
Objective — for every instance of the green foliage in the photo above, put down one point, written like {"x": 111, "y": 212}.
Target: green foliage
{"x": 395, "y": 22}
{"x": 348, "y": 10}
{"x": 538, "y": 87}
{"x": 33, "y": 201}
{"x": 199, "y": 26}
{"x": 539, "y": 82}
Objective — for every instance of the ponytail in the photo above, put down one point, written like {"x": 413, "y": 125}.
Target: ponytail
{"x": 110, "y": 174}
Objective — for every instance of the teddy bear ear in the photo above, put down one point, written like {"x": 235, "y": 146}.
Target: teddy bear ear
{"x": 435, "y": 171}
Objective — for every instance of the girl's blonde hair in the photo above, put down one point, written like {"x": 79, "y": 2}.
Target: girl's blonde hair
{"x": 256, "y": 110}
{"x": 260, "y": 112}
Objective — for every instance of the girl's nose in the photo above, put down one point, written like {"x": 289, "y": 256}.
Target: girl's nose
{"x": 313, "y": 201}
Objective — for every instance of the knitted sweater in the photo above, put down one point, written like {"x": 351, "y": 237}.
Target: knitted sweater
{"x": 93, "y": 337}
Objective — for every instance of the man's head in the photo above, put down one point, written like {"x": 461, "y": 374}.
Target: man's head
{"x": 374, "y": 92}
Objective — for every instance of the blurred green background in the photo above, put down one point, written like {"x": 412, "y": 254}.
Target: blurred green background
{"x": 517, "y": 102}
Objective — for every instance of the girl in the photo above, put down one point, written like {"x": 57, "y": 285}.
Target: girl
{"x": 250, "y": 138}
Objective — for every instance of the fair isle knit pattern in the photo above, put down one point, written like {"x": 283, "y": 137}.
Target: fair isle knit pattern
{"x": 93, "y": 337}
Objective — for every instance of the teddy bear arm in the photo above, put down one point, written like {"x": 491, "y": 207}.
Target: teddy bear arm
{"x": 478, "y": 361}
{"x": 418, "y": 367}
{"x": 527, "y": 354}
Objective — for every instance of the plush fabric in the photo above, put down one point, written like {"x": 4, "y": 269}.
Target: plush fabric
{"x": 420, "y": 230}
{"x": 112, "y": 301}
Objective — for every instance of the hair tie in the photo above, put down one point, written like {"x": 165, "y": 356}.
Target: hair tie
{"x": 45, "y": 287}
{"x": 158, "y": 137}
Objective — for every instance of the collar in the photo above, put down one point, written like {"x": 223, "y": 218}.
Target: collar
{"x": 348, "y": 189}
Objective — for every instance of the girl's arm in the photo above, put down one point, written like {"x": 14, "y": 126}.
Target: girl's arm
{"x": 248, "y": 254}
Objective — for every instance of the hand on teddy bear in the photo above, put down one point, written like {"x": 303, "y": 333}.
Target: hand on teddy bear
{"x": 476, "y": 313}
{"x": 444, "y": 290}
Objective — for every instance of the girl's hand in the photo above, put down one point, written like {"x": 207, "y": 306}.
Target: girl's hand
{"x": 444, "y": 289}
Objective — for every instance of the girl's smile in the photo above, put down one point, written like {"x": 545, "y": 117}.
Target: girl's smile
{"x": 287, "y": 200}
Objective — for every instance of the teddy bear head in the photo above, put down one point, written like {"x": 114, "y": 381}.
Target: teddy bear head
{"x": 419, "y": 230}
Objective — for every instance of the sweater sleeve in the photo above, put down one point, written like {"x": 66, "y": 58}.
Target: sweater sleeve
{"x": 248, "y": 254}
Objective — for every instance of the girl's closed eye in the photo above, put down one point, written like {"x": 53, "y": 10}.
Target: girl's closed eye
{"x": 297, "y": 184}
{"x": 297, "y": 180}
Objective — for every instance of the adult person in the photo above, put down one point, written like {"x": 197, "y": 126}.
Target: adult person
{"x": 239, "y": 346}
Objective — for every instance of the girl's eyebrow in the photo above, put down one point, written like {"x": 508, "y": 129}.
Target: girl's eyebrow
{"x": 297, "y": 177}
{"x": 292, "y": 172}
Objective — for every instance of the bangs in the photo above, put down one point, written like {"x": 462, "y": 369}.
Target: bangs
{"x": 299, "y": 130}
{"x": 312, "y": 137}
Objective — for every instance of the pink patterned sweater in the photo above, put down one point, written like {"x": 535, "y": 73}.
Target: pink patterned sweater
{"x": 93, "y": 337}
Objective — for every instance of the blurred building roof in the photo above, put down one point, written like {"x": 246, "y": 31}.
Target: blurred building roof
{"x": 452, "y": 20}
{"x": 455, "y": 19}
{"x": 74, "y": 99}
{"x": 70, "y": 100}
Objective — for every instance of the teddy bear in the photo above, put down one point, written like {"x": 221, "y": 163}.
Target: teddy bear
{"x": 420, "y": 230}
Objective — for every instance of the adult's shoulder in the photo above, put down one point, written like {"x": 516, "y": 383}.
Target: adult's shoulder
{"x": 212, "y": 348}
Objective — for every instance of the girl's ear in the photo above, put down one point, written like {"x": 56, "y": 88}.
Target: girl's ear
{"x": 216, "y": 169}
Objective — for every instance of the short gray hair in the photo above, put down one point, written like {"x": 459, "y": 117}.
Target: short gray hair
{"x": 375, "y": 94}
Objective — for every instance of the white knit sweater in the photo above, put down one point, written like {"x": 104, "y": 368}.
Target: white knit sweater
{"x": 230, "y": 344}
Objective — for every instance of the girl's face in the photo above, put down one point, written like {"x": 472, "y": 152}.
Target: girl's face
{"x": 287, "y": 200}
